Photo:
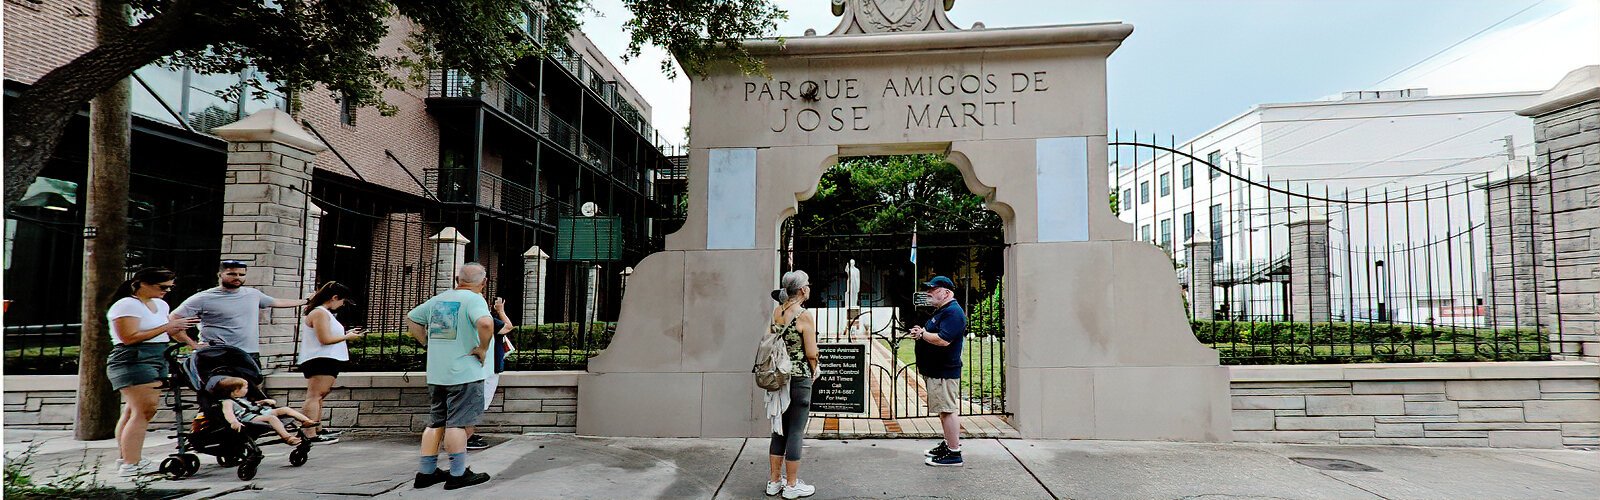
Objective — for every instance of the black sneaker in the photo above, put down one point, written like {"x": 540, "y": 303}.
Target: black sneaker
{"x": 426, "y": 480}
{"x": 937, "y": 450}
{"x": 323, "y": 439}
{"x": 466, "y": 479}
{"x": 333, "y": 433}
{"x": 477, "y": 442}
{"x": 949, "y": 459}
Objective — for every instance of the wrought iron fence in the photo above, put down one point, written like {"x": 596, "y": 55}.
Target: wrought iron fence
{"x": 1395, "y": 268}
{"x": 888, "y": 301}
{"x": 562, "y": 312}
{"x": 174, "y": 221}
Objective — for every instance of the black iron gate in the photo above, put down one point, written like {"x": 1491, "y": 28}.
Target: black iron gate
{"x": 889, "y": 300}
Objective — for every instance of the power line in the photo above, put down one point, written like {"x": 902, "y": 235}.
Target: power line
{"x": 1457, "y": 44}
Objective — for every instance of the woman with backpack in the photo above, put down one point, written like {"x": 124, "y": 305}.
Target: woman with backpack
{"x": 788, "y": 398}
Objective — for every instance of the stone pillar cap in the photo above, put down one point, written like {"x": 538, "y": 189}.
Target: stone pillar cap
{"x": 1198, "y": 241}
{"x": 270, "y": 125}
{"x": 1580, "y": 86}
{"x": 534, "y": 251}
{"x": 450, "y": 234}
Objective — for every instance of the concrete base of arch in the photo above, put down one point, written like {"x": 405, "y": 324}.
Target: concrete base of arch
{"x": 1099, "y": 346}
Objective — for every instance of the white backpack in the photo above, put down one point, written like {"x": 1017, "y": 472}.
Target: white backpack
{"x": 773, "y": 365}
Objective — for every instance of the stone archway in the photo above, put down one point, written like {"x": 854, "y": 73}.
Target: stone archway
{"x": 1100, "y": 346}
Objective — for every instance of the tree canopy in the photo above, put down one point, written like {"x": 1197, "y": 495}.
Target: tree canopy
{"x": 894, "y": 194}
{"x": 301, "y": 45}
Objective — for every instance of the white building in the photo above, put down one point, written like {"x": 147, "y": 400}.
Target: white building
{"x": 1365, "y": 146}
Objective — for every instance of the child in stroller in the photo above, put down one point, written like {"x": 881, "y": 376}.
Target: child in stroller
{"x": 212, "y": 432}
{"x": 237, "y": 410}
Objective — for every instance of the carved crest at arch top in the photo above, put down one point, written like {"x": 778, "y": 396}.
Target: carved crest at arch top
{"x": 891, "y": 16}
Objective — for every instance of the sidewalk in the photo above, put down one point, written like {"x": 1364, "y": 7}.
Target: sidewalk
{"x": 566, "y": 466}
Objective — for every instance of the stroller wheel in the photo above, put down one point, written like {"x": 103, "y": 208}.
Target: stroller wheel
{"x": 247, "y": 470}
{"x": 191, "y": 463}
{"x": 298, "y": 456}
{"x": 227, "y": 460}
{"x": 174, "y": 468}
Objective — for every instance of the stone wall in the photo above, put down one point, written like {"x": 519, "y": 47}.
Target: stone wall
{"x": 1503, "y": 405}
{"x": 379, "y": 401}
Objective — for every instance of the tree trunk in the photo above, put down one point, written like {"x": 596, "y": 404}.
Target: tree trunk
{"x": 36, "y": 119}
{"x": 105, "y": 234}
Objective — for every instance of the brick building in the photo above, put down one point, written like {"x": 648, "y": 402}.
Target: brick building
{"x": 501, "y": 162}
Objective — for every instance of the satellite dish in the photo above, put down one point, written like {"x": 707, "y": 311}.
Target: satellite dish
{"x": 589, "y": 209}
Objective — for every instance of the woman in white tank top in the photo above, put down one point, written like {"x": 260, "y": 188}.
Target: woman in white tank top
{"x": 324, "y": 350}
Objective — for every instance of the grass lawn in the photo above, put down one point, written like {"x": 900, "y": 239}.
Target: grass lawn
{"x": 982, "y": 366}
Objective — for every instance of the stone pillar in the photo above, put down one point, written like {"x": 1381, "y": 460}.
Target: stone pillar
{"x": 1519, "y": 282}
{"x": 1308, "y": 270}
{"x": 450, "y": 252}
{"x": 267, "y": 219}
{"x": 535, "y": 265}
{"x": 313, "y": 241}
{"x": 1201, "y": 289}
{"x": 1566, "y": 131}
{"x": 591, "y": 295}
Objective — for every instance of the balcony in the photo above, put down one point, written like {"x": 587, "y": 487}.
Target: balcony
{"x": 496, "y": 193}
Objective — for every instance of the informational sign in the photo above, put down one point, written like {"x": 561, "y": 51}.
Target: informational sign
{"x": 842, "y": 386}
{"x": 593, "y": 239}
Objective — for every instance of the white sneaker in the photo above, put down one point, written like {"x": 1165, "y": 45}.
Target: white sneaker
{"x": 800, "y": 489}
{"x": 145, "y": 466}
{"x": 774, "y": 488}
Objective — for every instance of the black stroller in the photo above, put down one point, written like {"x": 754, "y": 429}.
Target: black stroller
{"x": 210, "y": 433}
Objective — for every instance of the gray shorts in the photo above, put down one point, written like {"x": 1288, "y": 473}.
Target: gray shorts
{"x": 455, "y": 406}
{"x": 136, "y": 364}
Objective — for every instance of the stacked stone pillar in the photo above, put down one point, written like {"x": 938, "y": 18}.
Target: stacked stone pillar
{"x": 1308, "y": 270}
{"x": 591, "y": 295}
{"x": 267, "y": 220}
{"x": 1201, "y": 282}
{"x": 313, "y": 235}
{"x": 535, "y": 267}
{"x": 1519, "y": 274}
{"x": 450, "y": 252}
{"x": 1567, "y": 147}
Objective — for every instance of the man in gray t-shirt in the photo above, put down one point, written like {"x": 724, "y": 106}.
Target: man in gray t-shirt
{"x": 230, "y": 313}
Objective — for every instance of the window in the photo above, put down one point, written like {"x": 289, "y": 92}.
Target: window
{"x": 1166, "y": 184}
{"x": 1215, "y": 159}
{"x": 1188, "y": 226}
{"x": 1166, "y": 233}
{"x": 1216, "y": 231}
{"x": 1127, "y": 199}
{"x": 1144, "y": 192}
{"x": 1144, "y": 232}
{"x": 1188, "y": 175}
{"x": 347, "y": 110}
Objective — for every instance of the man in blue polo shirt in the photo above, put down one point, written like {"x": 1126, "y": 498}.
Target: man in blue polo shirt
{"x": 939, "y": 362}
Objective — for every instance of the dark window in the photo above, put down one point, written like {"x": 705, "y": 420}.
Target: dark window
{"x": 1215, "y": 159}
{"x": 1166, "y": 233}
{"x": 1216, "y": 231}
{"x": 1188, "y": 226}
{"x": 347, "y": 110}
{"x": 1144, "y": 192}
{"x": 1188, "y": 175}
{"x": 1166, "y": 184}
{"x": 1127, "y": 198}
{"x": 1144, "y": 232}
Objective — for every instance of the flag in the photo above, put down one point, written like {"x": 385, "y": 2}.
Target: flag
{"x": 913, "y": 246}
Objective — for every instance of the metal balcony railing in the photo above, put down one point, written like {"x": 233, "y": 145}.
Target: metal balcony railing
{"x": 595, "y": 154}
{"x": 452, "y": 185}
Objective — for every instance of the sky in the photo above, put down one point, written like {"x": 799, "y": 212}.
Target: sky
{"x": 1191, "y": 64}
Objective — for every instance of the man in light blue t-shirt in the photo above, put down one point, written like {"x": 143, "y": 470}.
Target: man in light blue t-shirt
{"x": 456, "y": 328}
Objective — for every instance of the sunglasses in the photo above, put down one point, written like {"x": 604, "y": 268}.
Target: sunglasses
{"x": 165, "y": 288}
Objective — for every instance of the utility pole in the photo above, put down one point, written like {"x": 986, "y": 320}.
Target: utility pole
{"x": 105, "y": 234}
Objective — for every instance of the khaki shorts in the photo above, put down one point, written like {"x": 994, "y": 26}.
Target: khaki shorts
{"x": 943, "y": 393}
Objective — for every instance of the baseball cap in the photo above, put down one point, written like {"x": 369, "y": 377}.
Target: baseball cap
{"x": 940, "y": 282}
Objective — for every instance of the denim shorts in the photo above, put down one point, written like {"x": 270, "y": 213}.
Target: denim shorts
{"x": 136, "y": 364}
